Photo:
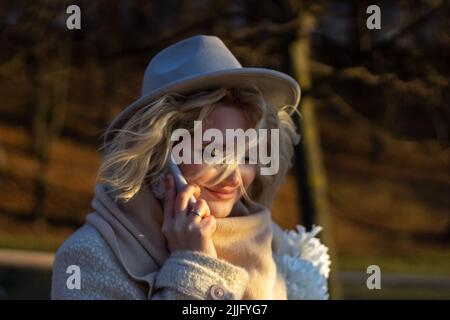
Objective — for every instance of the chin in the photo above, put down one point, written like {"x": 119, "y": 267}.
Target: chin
{"x": 220, "y": 210}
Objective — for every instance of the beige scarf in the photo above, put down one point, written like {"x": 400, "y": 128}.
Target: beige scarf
{"x": 133, "y": 231}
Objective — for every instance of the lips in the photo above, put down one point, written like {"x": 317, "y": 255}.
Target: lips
{"x": 222, "y": 194}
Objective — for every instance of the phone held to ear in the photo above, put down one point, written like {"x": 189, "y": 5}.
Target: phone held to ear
{"x": 180, "y": 181}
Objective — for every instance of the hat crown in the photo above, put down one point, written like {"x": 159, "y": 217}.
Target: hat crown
{"x": 190, "y": 57}
{"x": 204, "y": 62}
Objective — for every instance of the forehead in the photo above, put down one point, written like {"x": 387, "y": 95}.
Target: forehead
{"x": 226, "y": 116}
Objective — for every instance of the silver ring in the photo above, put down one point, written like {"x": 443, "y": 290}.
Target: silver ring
{"x": 196, "y": 212}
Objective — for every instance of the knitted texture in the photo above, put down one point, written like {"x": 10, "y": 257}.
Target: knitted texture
{"x": 184, "y": 275}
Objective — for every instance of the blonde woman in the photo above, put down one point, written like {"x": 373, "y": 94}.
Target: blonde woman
{"x": 147, "y": 239}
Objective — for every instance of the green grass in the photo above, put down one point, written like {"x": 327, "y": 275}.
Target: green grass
{"x": 433, "y": 263}
{"x": 430, "y": 262}
{"x": 29, "y": 242}
{"x": 394, "y": 293}
{"x": 33, "y": 238}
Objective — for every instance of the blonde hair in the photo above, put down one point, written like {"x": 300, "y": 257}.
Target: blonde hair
{"x": 139, "y": 150}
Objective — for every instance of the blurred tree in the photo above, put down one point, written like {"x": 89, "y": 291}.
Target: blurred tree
{"x": 371, "y": 88}
{"x": 47, "y": 65}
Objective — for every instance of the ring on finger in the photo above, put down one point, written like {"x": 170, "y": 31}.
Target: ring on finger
{"x": 196, "y": 211}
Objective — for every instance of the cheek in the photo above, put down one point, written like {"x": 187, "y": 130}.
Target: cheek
{"x": 189, "y": 169}
{"x": 248, "y": 173}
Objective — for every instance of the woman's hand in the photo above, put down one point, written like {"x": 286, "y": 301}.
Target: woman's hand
{"x": 184, "y": 230}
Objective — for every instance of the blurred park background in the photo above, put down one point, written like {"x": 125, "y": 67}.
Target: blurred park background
{"x": 372, "y": 167}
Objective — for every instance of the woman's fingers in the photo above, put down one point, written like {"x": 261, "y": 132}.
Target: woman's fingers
{"x": 202, "y": 207}
{"x": 182, "y": 199}
{"x": 187, "y": 231}
{"x": 208, "y": 223}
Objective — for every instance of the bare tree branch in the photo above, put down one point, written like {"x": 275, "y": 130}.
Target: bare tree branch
{"x": 408, "y": 27}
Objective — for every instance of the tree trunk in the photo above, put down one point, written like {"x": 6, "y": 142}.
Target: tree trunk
{"x": 315, "y": 178}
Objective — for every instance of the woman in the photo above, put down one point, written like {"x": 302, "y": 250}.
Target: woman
{"x": 147, "y": 240}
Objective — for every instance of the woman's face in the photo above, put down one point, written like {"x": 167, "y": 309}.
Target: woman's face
{"x": 221, "y": 197}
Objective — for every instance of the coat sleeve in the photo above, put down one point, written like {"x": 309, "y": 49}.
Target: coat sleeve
{"x": 184, "y": 275}
{"x": 194, "y": 275}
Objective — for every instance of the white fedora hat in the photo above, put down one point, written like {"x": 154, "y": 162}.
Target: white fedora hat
{"x": 204, "y": 62}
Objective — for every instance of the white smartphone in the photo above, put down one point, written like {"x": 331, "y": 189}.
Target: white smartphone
{"x": 180, "y": 181}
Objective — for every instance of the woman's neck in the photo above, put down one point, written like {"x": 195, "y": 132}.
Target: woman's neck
{"x": 239, "y": 209}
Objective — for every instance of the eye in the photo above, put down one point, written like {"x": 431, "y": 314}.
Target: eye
{"x": 245, "y": 160}
{"x": 213, "y": 153}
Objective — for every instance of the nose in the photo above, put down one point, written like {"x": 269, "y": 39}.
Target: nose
{"x": 232, "y": 180}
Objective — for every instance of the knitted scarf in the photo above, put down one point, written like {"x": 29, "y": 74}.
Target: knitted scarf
{"x": 133, "y": 231}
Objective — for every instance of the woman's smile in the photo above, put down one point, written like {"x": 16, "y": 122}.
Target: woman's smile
{"x": 222, "y": 194}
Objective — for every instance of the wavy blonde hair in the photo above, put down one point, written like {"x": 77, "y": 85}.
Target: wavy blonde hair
{"x": 139, "y": 150}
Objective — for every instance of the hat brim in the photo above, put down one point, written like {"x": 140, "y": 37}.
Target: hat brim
{"x": 278, "y": 88}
